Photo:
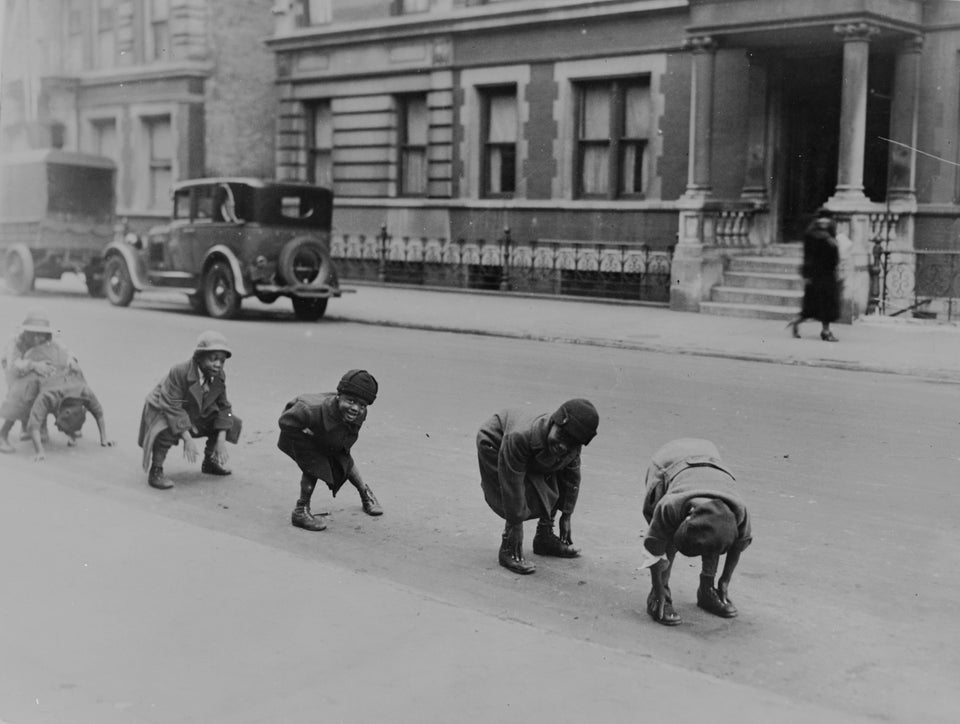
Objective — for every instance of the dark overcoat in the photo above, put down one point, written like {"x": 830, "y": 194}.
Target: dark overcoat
{"x": 179, "y": 402}
{"x": 821, "y": 257}
{"x": 315, "y": 435}
{"x": 522, "y": 479}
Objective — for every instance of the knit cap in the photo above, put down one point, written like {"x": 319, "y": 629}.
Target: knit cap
{"x": 359, "y": 384}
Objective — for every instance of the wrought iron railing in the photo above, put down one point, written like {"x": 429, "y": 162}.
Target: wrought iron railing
{"x": 617, "y": 270}
{"x": 922, "y": 282}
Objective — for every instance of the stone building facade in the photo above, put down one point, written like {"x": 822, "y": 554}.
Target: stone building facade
{"x": 168, "y": 89}
{"x": 717, "y": 126}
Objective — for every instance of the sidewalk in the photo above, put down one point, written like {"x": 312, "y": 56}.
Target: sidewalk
{"x": 894, "y": 345}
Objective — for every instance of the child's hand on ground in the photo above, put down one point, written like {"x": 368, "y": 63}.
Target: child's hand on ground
{"x": 190, "y": 450}
{"x": 39, "y": 457}
{"x": 107, "y": 443}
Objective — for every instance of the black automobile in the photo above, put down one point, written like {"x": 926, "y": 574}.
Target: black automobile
{"x": 230, "y": 238}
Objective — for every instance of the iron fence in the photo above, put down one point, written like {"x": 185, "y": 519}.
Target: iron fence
{"x": 923, "y": 282}
{"x": 615, "y": 270}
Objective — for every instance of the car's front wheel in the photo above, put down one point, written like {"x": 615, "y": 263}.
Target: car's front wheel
{"x": 117, "y": 284}
{"x": 220, "y": 292}
{"x": 309, "y": 310}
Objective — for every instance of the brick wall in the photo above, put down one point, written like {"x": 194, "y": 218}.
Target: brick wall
{"x": 241, "y": 97}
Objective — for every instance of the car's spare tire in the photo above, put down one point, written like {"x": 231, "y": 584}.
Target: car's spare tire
{"x": 304, "y": 261}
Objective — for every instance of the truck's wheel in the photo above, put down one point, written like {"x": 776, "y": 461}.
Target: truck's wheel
{"x": 309, "y": 310}
{"x": 219, "y": 292}
{"x": 117, "y": 284}
{"x": 18, "y": 270}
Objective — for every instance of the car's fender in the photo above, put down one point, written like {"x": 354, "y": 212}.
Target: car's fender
{"x": 222, "y": 251}
{"x": 133, "y": 259}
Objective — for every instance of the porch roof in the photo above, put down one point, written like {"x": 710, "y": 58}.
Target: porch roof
{"x": 799, "y": 23}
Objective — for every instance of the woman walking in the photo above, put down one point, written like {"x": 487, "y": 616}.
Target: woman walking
{"x": 821, "y": 292}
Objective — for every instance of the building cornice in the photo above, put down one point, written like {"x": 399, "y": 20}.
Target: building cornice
{"x": 165, "y": 71}
{"x": 465, "y": 21}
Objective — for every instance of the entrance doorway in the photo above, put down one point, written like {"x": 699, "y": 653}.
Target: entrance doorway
{"x": 811, "y": 125}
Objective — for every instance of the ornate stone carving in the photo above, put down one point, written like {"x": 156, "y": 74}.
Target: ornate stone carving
{"x": 700, "y": 44}
{"x": 856, "y": 31}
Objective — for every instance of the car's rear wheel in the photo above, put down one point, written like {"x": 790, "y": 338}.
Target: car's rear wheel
{"x": 307, "y": 309}
{"x": 220, "y": 292}
{"x": 117, "y": 284}
{"x": 18, "y": 270}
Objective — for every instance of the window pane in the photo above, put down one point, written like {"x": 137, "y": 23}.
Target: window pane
{"x": 318, "y": 12}
{"x": 417, "y": 122}
{"x": 105, "y": 139}
{"x": 637, "y": 112}
{"x": 414, "y": 171}
{"x": 595, "y": 113}
{"x": 322, "y": 169}
{"x": 594, "y": 170}
{"x": 502, "y": 118}
{"x": 322, "y": 126}
{"x": 631, "y": 168}
{"x": 414, "y": 6}
{"x": 160, "y": 182}
{"x": 502, "y": 169}
{"x": 161, "y": 141}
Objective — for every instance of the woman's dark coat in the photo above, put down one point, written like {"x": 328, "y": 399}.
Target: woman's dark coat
{"x": 821, "y": 257}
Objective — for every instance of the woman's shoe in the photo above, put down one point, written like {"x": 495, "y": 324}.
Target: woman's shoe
{"x": 827, "y": 336}
{"x": 792, "y": 326}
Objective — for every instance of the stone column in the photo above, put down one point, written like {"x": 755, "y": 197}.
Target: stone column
{"x": 853, "y": 110}
{"x": 755, "y": 176}
{"x": 701, "y": 116}
{"x": 903, "y": 122}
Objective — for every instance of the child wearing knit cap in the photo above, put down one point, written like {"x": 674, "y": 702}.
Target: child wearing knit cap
{"x": 318, "y": 431}
{"x": 692, "y": 507}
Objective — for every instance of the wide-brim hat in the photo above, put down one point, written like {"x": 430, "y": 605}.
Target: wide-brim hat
{"x": 211, "y": 341}
{"x": 710, "y": 527}
{"x": 36, "y": 321}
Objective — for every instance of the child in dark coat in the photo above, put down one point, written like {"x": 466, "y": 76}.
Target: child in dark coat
{"x": 318, "y": 431}
{"x": 190, "y": 402}
{"x": 693, "y": 507}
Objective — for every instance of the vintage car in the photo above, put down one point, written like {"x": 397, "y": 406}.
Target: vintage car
{"x": 56, "y": 216}
{"x": 230, "y": 238}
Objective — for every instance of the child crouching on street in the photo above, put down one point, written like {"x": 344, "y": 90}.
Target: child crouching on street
{"x": 190, "y": 402}
{"x": 693, "y": 507}
{"x": 68, "y": 397}
{"x": 318, "y": 430}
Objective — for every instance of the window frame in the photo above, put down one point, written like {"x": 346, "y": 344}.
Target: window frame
{"x": 616, "y": 141}
{"x": 405, "y": 148}
{"x": 312, "y": 109}
{"x": 155, "y": 22}
{"x": 156, "y": 165}
{"x": 487, "y": 94}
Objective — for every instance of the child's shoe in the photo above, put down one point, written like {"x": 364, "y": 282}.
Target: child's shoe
{"x": 370, "y": 504}
{"x": 156, "y": 478}
{"x": 709, "y": 600}
{"x": 303, "y": 518}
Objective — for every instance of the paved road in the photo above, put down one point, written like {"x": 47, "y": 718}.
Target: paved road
{"x": 823, "y": 456}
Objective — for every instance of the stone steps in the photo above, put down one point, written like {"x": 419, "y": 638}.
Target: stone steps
{"x": 759, "y": 287}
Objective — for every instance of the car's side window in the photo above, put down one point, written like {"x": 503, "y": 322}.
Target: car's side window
{"x": 295, "y": 207}
{"x": 181, "y": 204}
{"x": 205, "y": 206}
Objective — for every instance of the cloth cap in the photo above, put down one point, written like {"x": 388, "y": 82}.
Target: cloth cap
{"x": 211, "y": 341}
{"x": 710, "y": 527}
{"x": 71, "y": 416}
{"x": 578, "y": 419}
{"x": 359, "y": 384}
{"x": 36, "y": 321}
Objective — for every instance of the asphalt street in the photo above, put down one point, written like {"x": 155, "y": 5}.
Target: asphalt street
{"x": 207, "y": 604}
